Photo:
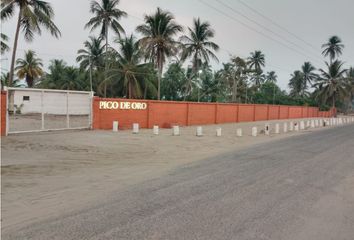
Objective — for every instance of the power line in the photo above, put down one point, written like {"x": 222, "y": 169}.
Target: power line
{"x": 253, "y": 29}
{"x": 264, "y": 27}
{"x": 276, "y": 24}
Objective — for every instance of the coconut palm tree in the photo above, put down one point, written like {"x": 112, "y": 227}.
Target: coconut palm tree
{"x": 296, "y": 84}
{"x": 129, "y": 71}
{"x": 256, "y": 61}
{"x": 91, "y": 57}
{"x": 4, "y": 46}
{"x": 158, "y": 40}
{"x": 332, "y": 84}
{"x": 308, "y": 75}
{"x": 271, "y": 77}
{"x": 106, "y": 15}
{"x": 197, "y": 44}
{"x": 333, "y": 48}
{"x": 29, "y": 68}
{"x": 32, "y": 15}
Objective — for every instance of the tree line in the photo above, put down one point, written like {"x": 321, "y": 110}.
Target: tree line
{"x": 168, "y": 61}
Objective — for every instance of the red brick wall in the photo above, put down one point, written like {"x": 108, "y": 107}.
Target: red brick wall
{"x": 246, "y": 113}
{"x": 168, "y": 113}
{"x": 3, "y": 113}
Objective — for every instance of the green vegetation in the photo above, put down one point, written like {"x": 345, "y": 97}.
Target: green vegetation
{"x": 169, "y": 62}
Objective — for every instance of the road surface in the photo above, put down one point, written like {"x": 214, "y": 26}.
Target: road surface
{"x": 301, "y": 187}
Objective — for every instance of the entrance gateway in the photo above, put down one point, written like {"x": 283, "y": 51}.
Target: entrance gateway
{"x": 37, "y": 110}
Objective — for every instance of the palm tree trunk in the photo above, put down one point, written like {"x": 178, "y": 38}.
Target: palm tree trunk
{"x": 12, "y": 68}
{"x": 159, "y": 76}
{"x": 106, "y": 62}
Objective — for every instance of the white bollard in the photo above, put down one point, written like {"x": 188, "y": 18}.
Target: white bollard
{"x": 340, "y": 121}
{"x": 267, "y": 129}
{"x": 285, "y": 128}
{"x": 308, "y": 124}
{"x": 175, "y": 131}
{"x": 291, "y": 126}
{"x": 316, "y": 123}
{"x": 277, "y": 131}
{"x": 302, "y": 125}
{"x": 239, "y": 132}
{"x": 254, "y": 132}
{"x": 312, "y": 124}
{"x": 135, "y": 128}
{"x": 199, "y": 132}
{"x": 321, "y": 122}
{"x": 296, "y": 127}
{"x": 218, "y": 132}
{"x": 115, "y": 126}
{"x": 155, "y": 130}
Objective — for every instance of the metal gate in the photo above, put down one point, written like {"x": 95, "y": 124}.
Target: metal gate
{"x": 36, "y": 110}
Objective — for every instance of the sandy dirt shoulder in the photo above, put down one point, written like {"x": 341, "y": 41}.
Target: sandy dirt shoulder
{"x": 49, "y": 174}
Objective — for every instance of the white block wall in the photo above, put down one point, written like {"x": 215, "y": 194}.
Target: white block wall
{"x": 53, "y": 102}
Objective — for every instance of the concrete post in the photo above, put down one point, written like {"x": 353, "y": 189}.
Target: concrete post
{"x": 302, "y": 125}
{"x": 267, "y": 129}
{"x": 308, "y": 123}
{"x": 277, "y": 131}
{"x": 316, "y": 123}
{"x": 175, "y": 131}
{"x": 135, "y": 128}
{"x": 312, "y": 123}
{"x": 199, "y": 131}
{"x": 285, "y": 127}
{"x": 115, "y": 126}
{"x": 239, "y": 132}
{"x": 218, "y": 132}
{"x": 155, "y": 130}
{"x": 291, "y": 126}
{"x": 254, "y": 132}
{"x": 296, "y": 127}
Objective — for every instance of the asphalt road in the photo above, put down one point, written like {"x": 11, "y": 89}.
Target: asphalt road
{"x": 297, "y": 188}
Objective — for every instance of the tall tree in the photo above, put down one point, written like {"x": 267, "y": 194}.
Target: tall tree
{"x": 333, "y": 48}
{"x": 106, "y": 15}
{"x": 91, "y": 56}
{"x": 29, "y": 68}
{"x": 129, "y": 71}
{"x": 271, "y": 77}
{"x": 296, "y": 84}
{"x": 32, "y": 15}
{"x": 197, "y": 44}
{"x": 308, "y": 76}
{"x": 332, "y": 84}
{"x": 158, "y": 40}
{"x": 256, "y": 61}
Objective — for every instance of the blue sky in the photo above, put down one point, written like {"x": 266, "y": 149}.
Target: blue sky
{"x": 239, "y": 30}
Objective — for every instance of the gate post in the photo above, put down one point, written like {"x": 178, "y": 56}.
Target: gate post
{"x": 42, "y": 109}
{"x": 67, "y": 111}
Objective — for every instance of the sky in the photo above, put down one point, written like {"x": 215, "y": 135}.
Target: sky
{"x": 291, "y": 32}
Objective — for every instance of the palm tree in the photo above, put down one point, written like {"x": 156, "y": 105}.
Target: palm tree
{"x": 256, "y": 61}
{"x": 308, "y": 75}
{"x": 197, "y": 44}
{"x": 157, "y": 41}
{"x": 91, "y": 57}
{"x": 31, "y": 16}
{"x": 129, "y": 71}
{"x": 4, "y": 46}
{"x": 350, "y": 76}
{"x": 29, "y": 68}
{"x": 296, "y": 84}
{"x": 333, "y": 48}
{"x": 271, "y": 77}
{"x": 55, "y": 75}
{"x": 332, "y": 84}
{"x": 107, "y": 15}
